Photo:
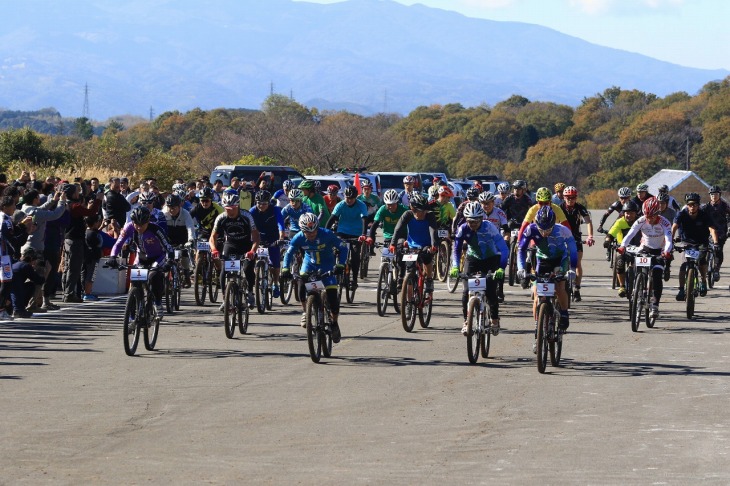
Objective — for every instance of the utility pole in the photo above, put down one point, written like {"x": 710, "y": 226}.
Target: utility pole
{"x": 85, "y": 111}
{"x": 291, "y": 94}
{"x": 687, "y": 155}
{"x": 271, "y": 89}
{"x": 385, "y": 101}
{"x": 152, "y": 114}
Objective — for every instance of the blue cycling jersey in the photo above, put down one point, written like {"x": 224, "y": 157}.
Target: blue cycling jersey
{"x": 318, "y": 252}
{"x": 269, "y": 223}
{"x": 350, "y": 217}
{"x": 481, "y": 244}
{"x": 294, "y": 214}
{"x": 558, "y": 245}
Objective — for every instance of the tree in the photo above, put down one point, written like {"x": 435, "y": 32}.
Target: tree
{"x": 23, "y": 144}
{"x": 83, "y": 128}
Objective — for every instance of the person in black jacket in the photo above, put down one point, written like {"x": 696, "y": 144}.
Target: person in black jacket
{"x": 25, "y": 278}
{"x": 74, "y": 246}
{"x": 115, "y": 205}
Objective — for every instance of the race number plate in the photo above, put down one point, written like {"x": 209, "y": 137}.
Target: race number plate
{"x": 387, "y": 253}
{"x": 478, "y": 283}
{"x": 232, "y": 266}
{"x": 412, "y": 257}
{"x": 177, "y": 254}
{"x": 138, "y": 274}
{"x": 642, "y": 261}
{"x": 263, "y": 252}
{"x": 443, "y": 233}
{"x": 316, "y": 285}
{"x": 203, "y": 246}
{"x": 545, "y": 289}
{"x": 692, "y": 253}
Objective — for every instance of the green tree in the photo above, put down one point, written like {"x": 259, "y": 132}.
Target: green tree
{"x": 23, "y": 144}
{"x": 83, "y": 128}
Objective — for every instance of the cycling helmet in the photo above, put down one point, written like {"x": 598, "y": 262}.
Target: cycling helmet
{"x": 545, "y": 218}
{"x": 519, "y": 184}
{"x": 472, "y": 193}
{"x": 350, "y": 192}
{"x": 178, "y": 187}
{"x": 173, "y": 200}
{"x": 230, "y": 199}
{"x": 542, "y": 195}
{"x": 308, "y": 223}
{"x": 630, "y": 206}
{"x": 559, "y": 187}
{"x": 409, "y": 180}
{"x": 473, "y": 210}
{"x": 570, "y": 191}
{"x": 306, "y": 184}
{"x": 365, "y": 182}
{"x": 715, "y": 190}
{"x": 287, "y": 185}
{"x": 446, "y": 191}
{"x": 296, "y": 195}
{"x": 692, "y": 196}
{"x": 624, "y": 192}
{"x": 390, "y": 196}
{"x": 418, "y": 202}
{"x": 333, "y": 189}
{"x": 140, "y": 215}
{"x": 181, "y": 194}
{"x": 651, "y": 207}
{"x": 477, "y": 186}
{"x": 663, "y": 188}
{"x": 503, "y": 187}
{"x": 485, "y": 197}
{"x": 205, "y": 193}
{"x": 317, "y": 186}
{"x": 263, "y": 196}
{"x": 662, "y": 197}
{"x": 642, "y": 188}
{"x": 146, "y": 198}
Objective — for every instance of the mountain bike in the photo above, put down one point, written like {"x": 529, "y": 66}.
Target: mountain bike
{"x": 319, "y": 316}
{"x": 387, "y": 281}
{"x": 344, "y": 280}
{"x": 173, "y": 287}
{"x": 364, "y": 259}
{"x": 691, "y": 274}
{"x": 263, "y": 289}
{"x": 443, "y": 255}
{"x": 235, "y": 304}
{"x": 140, "y": 312}
{"x": 285, "y": 285}
{"x": 549, "y": 336}
{"x": 642, "y": 288}
{"x": 479, "y": 316}
{"x": 206, "y": 275}
{"x": 512, "y": 265}
{"x": 414, "y": 300}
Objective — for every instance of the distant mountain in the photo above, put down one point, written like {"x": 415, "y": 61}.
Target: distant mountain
{"x": 366, "y": 56}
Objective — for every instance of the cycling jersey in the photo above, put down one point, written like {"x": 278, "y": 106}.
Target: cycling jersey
{"x": 720, "y": 214}
{"x": 615, "y": 206}
{"x": 180, "y": 229}
{"x": 575, "y": 216}
{"x": 446, "y": 213}
{"x": 388, "y": 219}
{"x": 532, "y": 212}
{"x": 418, "y": 234}
{"x": 152, "y": 245}
{"x": 349, "y": 220}
{"x": 619, "y": 230}
{"x": 318, "y": 253}
{"x": 281, "y": 198}
{"x": 481, "y": 244}
{"x": 319, "y": 208}
{"x": 331, "y": 202}
{"x": 694, "y": 230}
{"x": 269, "y": 223}
{"x": 372, "y": 203}
{"x": 559, "y": 246}
{"x": 405, "y": 197}
{"x": 497, "y": 218}
{"x": 294, "y": 214}
{"x": 236, "y": 231}
{"x": 653, "y": 236}
{"x": 206, "y": 217}
{"x": 516, "y": 207}
{"x": 158, "y": 217}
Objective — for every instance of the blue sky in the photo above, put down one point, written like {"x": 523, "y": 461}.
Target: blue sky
{"x": 691, "y": 33}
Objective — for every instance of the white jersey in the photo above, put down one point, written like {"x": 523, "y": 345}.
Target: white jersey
{"x": 497, "y": 201}
{"x": 497, "y": 217}
{"x": 653, "y": 236}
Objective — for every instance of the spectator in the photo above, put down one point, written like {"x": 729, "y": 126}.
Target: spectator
{"x": 74, "y": 241}
{"x": 25, "y": 279}
{"x": 115, "y": 204}
{"x": 94, "y": 241}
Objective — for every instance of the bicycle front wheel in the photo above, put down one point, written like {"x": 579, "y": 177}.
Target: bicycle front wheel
{"x": 287, "y": 288}
{"x": 383, "y": 292}
{"x": 442, "y": 261}
{"x": 555, "y": 339}
{"x": 152, "y": 329}
{"x": 349, "y": 289}
{"x": 242, "y": 311}
{"x": 543, "y": 324}
{"x": 325, "y": 337}
{"x": 230, "y": 305}
{"x": 201, "y": 284}
{"x": 408, "y": 303}
{"x": 169, "y": 304}
{"x": 637, "y": 303}
{"x": 259, "y": 287}
{"x": 473, "y": 333}
{"x": 213, "y": 283}
{"x": 425, "y": 309}
{"x": 133, "y": 320}
{"x": 512, "y": 262}
{"x": 690, "y": 292}
{"x": 313, "y": 334}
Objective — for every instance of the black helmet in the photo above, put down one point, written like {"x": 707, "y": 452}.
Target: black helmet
{"x": 205, "y": 193}
{"x": 715, "y": 190}
{"x": 173, "y": 200}
{"x": 630, "y": 206}
{"x": 263, "y": 196}
{"x": 472, "y": 193}
{"x": 663, "y": 188}
{"x": 519, "y": 184}
{"x": 350, "y": 192}
{"x": 692, "y": 197}
{"x": 140, "y": 215}
{"x": 418, "y": 202}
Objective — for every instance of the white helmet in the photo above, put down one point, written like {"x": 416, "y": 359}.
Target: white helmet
{"x": 485, "y": 197}
{"x": 308, "y": 222}
{"x": 473, "y": 210}
{"x": 390, "y": 196}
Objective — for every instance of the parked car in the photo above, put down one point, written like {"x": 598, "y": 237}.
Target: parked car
{"x": 339, "y": 180}
{"x": 488, "y": 182}
{"x": 372, "y": 176}
{"x": 253, "y": 172}
{"x": 394, "y": 180}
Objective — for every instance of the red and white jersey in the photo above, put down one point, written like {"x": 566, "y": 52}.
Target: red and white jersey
{"x": 497, "y": 217}
{"x": 654, "y": 236}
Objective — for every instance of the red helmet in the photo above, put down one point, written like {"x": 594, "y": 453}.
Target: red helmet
{"x": 445, "y": 191}
{"x": 570, "y": 191}
{"x": 333, "y": 189}
{"x": 651, "y": 207}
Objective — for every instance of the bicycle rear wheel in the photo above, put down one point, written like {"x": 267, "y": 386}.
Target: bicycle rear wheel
{"x": 349, "y": 289}
{"x": 614, "y": 280}
{"x": 637, "y": 304}
{"x": 364, "y": 260}
{"x": 178, "y": 292}
{"x": 395, "y": 292}
{"x": 543, "y": 322}
{"x": 169, "y": 304}
{"x": 383, "y": 291}
{"x": 214, "y": 283}
{"x": 442, "y": 261}
{"x": 325, "y": 337}
{"x": 690, "y": 292}
{"x": 230, "y": 305}
{"x": 152, "y": 329}
{"x": 711, "y": 269}
{"x": 512, "y": 262}
{"x": 242, "y": 311}
{"x": 425, "y": 310}
{"x": 313, "y": 334}
{"x": 408, "y": 302}
{"x": 473, "y": 333}
{"x": 201, "y": 283}
{"x": 133, "y": 320}
{"x": 259, "y": 288}
{"x": 486, "y": 334}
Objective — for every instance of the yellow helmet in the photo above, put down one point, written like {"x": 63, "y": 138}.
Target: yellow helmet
{"x": 559, "y": 187}
{"x": 543, "y": 195}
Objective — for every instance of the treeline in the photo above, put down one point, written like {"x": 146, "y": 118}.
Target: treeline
{"x": 618, "y": 137}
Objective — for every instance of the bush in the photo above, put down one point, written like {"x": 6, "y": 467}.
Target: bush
{"x": 600, "y": 199}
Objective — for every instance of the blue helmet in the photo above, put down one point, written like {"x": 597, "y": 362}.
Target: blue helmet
{"x": 545, "y": 218}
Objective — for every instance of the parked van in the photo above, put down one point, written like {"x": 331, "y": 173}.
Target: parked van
{"x": 253, "y": 172}
{"x": 394, "y": 180}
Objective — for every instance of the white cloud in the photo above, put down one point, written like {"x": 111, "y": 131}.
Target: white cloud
{"x": 89, "y": 36}
{"x": 18, "y": 66}
{"x": 488, "y": 3}
{"x": 597, "y": 7}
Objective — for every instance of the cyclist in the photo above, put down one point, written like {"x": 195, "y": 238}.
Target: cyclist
{"x": 517, "y": 204}
{"x": 270, "y": 224}
{"x": 204, "y": 214}
{"x": 642, "y": 194}
{"x": 405, "y": 195}
{"x": 417, "y": 228}
{"x": 671, "y": 202}
{"x": 389, "y": 214}
{"x": 617, "y": 232}
{"x": 624, "y": 195}
{"x": 446, "y": 212}
{"x": 496, "y": 216}
{"x": 664, "y": 209}
{"x": 153, "y": 250}
{"x": 656, "y": 239}
{"x": 695, "y": 227}
{"x": 351, "y": 218}
{"x": 157, "y": 217}
{"x": 282, "y": 195}
{"x": 294, "y": 210}
{"x": 332, "y": 198}
{"x": 503, "y": 190}
{"x": 555, "y": 249}
{"x": 180, "y": 232}
{"x": 486, "y": 251}
{"x": 472, "y": 194}
{"x": 558, "y": 194}
{"x": 576, "y": 214}
{"x": 314, "y": 200}
{"x": 719, "y": 211}
{"x": 318, "y": 245}
{"x": 372, "y": 202}
{"x": 543, "y": 198}
{"x": 240, "y": 236}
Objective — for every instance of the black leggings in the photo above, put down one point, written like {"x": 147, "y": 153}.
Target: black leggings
{"x": 473, "y": 266}
{"x": 332, "y": 299}
{"x": 249, "y": 272}
{"x": 354, "y": 246}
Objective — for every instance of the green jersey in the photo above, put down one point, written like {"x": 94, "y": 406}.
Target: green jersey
{"x": 389, "y": 219}
{"x": 319, "y": 208}
{"x": 372, "y": 202}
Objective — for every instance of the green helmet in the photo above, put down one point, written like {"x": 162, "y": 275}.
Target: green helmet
{"x": 543, "y": 195}
{"x": 305, "y": 184}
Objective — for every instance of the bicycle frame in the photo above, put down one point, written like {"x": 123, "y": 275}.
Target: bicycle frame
{"x": 548, "y": 335}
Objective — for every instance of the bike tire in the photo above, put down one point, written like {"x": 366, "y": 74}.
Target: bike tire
{"x": 259, "y": 289}
{"x": 349, "y": 291}
{"x": 512, "y": 262}
{"x": 690, "y": 292}
{"x": 152, "y": 329}
{"x": 133, "y": 320}
{"x": 543, "y": 322}
{"x": 452, "y": 283}
{"x": 442, "y": 261}
{"x": 711, "y": 269}
{"x": 178, "y": 294}
{"x": 395, "y": 292}
{"x": 637, "y": 304}
{"x": 313, "y": 334}
{"x": 647, "y": 319}
{"x": 473, "y": 333}
{"x": 242, "y": 313}
{"x": 383, "y": 291}
{"x": 555, "y": 345}
{"x": 425, "y": 310}
{"x": 214, "y": 283}
{"x": 270, "y": 297}
{"x": 614, "y": 281}
{"x": 486, "y": 336}
{"x": 168, "y": 293}
{"x": 325, "y": 337}
{"x": 364, "y": 260}
{"x": 286, "y": 287}
{"x": 200, "y": 286}
{"x": 229, "y": 308}
{"x": 408, "y": 303}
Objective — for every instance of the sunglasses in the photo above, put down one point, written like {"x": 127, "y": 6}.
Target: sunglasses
{"x": 571, "y": 198}
{"x": 205, "y": 200}
{"x": 692, "y": 204}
